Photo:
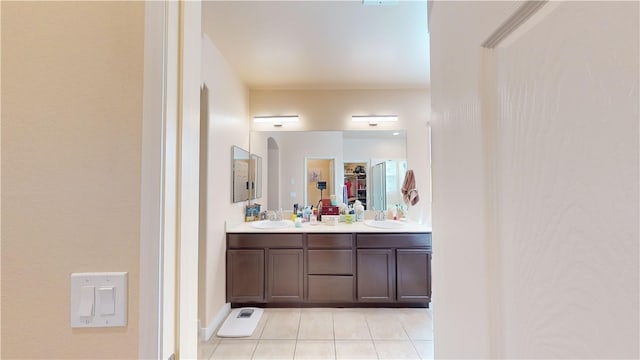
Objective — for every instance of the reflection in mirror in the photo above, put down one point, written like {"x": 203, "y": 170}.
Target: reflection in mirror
{"x": 247, "y": 175}
{"x": 240, "y": 174}
{"x": 286, "y": 151}
{"x": 255, "y": 174}
{"x": 386, "y": 182}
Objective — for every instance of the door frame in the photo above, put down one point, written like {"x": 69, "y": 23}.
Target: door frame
{"x": 305, "y": 174}
{"x": 170, "y": 180}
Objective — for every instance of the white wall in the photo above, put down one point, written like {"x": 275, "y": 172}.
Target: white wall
{"x": 535, "y": 165}
{"x": 365, "y": 149}
{"x": 71, "y": 169}
{"x": 228, "y": 125}
{"x": 568, "y": 176}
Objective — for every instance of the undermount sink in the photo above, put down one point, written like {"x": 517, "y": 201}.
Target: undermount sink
{"x": 385, "y": 224}
{"x": 272, "y": 224}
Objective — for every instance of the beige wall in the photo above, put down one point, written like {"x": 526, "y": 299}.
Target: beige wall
{"x": 71, "y": 145}
{"x": 536, "y": 179}
{"x": 225, "y": 123}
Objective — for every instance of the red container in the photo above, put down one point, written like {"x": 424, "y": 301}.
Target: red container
{"x": 330, "y": 210}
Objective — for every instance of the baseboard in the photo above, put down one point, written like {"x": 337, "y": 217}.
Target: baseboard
{"x": 207, "y": 332}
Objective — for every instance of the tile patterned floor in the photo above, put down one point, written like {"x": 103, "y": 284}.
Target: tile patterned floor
{"x": 323, "y": 333}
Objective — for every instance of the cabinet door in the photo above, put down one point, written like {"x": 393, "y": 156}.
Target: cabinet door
{"x": 285, "y": 275}
{"x": 376, "y": 275}
{"x": 414, "y": 275}
{"x": 245, "y": 275}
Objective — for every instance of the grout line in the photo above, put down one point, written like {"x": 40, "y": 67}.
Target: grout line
{"x": 375, "y": 348}
{"x": 295, "y": 348}
{"x": 266, "y": 319}
{"x": 335, "y": 347}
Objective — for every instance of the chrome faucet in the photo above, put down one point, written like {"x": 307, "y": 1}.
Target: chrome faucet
{"x": 380, "y": 216}
{"x": 275, "y": 215}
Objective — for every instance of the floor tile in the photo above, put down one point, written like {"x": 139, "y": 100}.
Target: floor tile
{"x": 315, "y": 349}
{"x": 418, "y": 325}
{"x": 283, "y": 310}
{"x": 309, "y": 333}
{"x": 425, "y": 349}
{"x": 350, "y": 326}
{"x": 234, "y": 349}
{"x": 281, "y": 325}
{"x": 317, "y": 310}
{"x": 355, "y": 349}
{"x": 395, "y": 349}
{"x": 275, "y": 349}
{"x": 317, "y": 325}
{"x": 205, "y": 349}
{"x": 385, "y": 326}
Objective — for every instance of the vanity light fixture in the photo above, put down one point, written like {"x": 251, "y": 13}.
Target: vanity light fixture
{"x": 276, "y": 120}
{"x": 373, "y": 120}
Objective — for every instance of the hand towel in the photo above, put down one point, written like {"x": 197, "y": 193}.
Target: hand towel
{"x": 409, "y": 191}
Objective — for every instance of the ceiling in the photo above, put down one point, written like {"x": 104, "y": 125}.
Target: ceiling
{"x": 322, "y": 44}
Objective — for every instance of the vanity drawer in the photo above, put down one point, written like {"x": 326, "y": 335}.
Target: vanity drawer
{"x": 394, "y": 240}
{"x": 334, "y": 262}
{"x": 330, "y": 241}
{"x": 257, "y": 241}
{"x": 330, "y": 288}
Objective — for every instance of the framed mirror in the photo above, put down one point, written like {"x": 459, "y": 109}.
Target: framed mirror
{"x": 246, "y": 172}
{"x": 240, "y": 174}
{"x": 287, "y": 176}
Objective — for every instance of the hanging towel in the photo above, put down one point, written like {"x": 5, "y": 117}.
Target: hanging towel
{"x": 409, "y": 191}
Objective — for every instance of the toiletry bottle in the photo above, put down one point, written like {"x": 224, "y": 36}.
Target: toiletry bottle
{"x": 359, "y": 210}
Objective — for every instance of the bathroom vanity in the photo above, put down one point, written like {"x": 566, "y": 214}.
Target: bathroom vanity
{"x": 347, "y": 265}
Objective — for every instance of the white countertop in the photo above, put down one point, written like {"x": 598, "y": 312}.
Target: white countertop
{"x": 359, "y": 227}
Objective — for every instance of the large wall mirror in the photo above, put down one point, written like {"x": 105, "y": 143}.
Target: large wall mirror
{"x": 246, "y": 174}
{"x": 287, "y": 179}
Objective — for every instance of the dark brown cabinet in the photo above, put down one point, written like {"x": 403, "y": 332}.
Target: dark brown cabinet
{"x": 376, "y": 275}
{"x": 330, "y": 268}
{"x": 265, "y": 268}
{"x": 413, "y": 275}
{"x": 390, "y": 269}
{"x": 394, "y": 267}
{"x": 285, "y": 275}
{"x": 245, "y": 275}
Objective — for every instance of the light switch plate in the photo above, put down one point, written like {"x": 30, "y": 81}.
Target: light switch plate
{"x": 101, "y": 316}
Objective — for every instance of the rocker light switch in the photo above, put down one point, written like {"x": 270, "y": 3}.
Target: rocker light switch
{"x": 98, "y": 299}
{"x": 107, "y": 300}
{"x": 87, "y": 301}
